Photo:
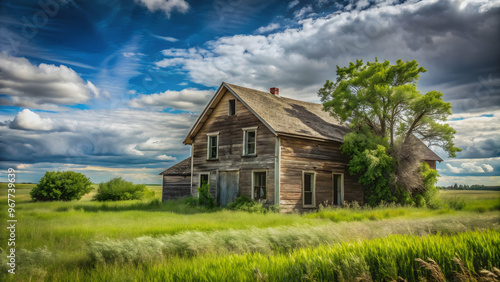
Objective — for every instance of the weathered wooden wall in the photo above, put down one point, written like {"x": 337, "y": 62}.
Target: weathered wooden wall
{"x": 432, "y": 164}
{"x": 231, "y": 148}
{"x": 323, "y": 158}
{"x": 175, "y": 186}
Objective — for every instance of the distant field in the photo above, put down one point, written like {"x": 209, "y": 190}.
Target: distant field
{"x": 58, "y": 239}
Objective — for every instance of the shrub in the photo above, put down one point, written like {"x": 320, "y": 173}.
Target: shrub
{"x": 420, "y": 201}
{"x": 244, "y": 203}
{"x": 61, "y": 186}
{"x": 118, "y": 189}
{"x": 204, "y": 197}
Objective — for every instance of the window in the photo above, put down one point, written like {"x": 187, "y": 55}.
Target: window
{"x": 308, "y": 187}
{"x": 213, "y": 146}
{"x": 249, "y": 141}
{"x": 259, "y": 185}
{"x": 204, "y": 179}
{"x": 232, "y": 107}
{"x": 338, "y": 189}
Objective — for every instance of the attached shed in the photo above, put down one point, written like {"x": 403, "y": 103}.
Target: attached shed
{"x": 177, "y": 180}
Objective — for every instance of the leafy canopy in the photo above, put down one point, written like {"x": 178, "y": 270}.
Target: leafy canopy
{"x": 61, "y": 186}
{"x": 384, "y": 98}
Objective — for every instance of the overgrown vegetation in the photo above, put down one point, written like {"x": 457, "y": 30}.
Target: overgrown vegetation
{"x": 387, "y": 113}
{"x": 61, "y": 186}
{"x": 244, "y": 203}
{"x": 204, "y": 197}
{"x": 118, "y": 189}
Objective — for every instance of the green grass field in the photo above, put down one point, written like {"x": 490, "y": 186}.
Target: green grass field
{"x": 94, "y": 240}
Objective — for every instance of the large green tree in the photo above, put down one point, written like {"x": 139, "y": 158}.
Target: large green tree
{"x": 383, "y": 106}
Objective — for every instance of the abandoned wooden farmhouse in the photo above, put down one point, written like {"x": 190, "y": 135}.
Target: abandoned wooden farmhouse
{"x": 273, "y": 149}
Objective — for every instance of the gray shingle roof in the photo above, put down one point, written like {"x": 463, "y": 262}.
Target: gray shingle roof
{"x": 182, "y": 168}
{"x": 290, "y": 117}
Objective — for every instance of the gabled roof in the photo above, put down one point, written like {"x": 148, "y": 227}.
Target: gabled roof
{"x": 182, "y": 168}
{"x": 285, "y": 116}
{"x": 428, "y": 154}
{"x": 282, "y": 116}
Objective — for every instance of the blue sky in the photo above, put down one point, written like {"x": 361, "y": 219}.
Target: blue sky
{"x": 111, "y": 88}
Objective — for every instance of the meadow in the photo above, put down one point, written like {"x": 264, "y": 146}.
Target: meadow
{"x": 88, "y": 240}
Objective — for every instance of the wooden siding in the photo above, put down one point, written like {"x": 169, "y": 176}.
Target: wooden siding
{"x": 231, "y": 149}
{"x": 323, "y": 158}
{"x": 175, "y": 186}
{"x": 432, "y": 164}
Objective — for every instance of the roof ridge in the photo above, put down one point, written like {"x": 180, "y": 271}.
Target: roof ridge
{"x": 283, "y": 97}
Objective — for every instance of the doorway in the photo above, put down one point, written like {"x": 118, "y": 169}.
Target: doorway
{"x": 228, "y": 187}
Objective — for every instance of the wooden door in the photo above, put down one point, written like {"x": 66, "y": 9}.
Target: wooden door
{"x": 227, "y": 187}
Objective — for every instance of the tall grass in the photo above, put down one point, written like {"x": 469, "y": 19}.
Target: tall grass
{"x": 381, "y": 259}
{"x": 273, "y": 239}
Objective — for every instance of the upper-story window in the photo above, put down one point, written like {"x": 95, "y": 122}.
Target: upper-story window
{"x": 213, "y": 146}
{"x": 232, "y": 107}
{"x": 250, "y": 141}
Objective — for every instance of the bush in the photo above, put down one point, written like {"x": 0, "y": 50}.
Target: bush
{"x": 61, "y": 186}
{"x": 204, "y": 197}
{"x": 118, "y": 189}
{"x": 420, "y": 201}
{"x": 244, "y": 203}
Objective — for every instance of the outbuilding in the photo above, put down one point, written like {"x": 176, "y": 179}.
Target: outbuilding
{"x": 177, "y": 180}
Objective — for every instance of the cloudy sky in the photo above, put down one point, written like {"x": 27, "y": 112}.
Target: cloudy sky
{"x": 110, "y": 88}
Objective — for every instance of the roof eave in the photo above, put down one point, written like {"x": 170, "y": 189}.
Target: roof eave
{"x": 308, "y": 137}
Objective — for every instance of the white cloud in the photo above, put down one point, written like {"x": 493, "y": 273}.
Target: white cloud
{"x": 166, "y": 6}
{"x": 453, "y": 169}
{"x": 270, "y": 27}
{"x": 28, "y": 120}
{"x": 488, "y": 167}
{"x": 166, "y": 38}
{"x": 472, "y": 168}
{"x": 302, "y": 12}
{"x": 293, "y": 4}
{"x": 467, "y": 167}
{"x": 42, "y": 86}
{"x": 23, "y": 166}
{"x": 159, "y": 144}
{"x": 166, "y": 158}
{"x": 132, "y": 54}
{"x": 189, "y": 99}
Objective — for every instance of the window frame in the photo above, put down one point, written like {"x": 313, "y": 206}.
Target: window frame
{"x": 229, "y": 107}
{"x": 199, "y": 178}
{"x": 341, "y": 188}
{"x": 209, "y": 135}
{"x": 245, "y": 139}
{"x": 253, "y": 184}
{"x": 313, "y": 189}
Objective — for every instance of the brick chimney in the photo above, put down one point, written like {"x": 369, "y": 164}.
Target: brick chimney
{"x": 275, "y": 91}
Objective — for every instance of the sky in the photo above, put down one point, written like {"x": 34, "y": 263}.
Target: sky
{"x": 111, "y": 88}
